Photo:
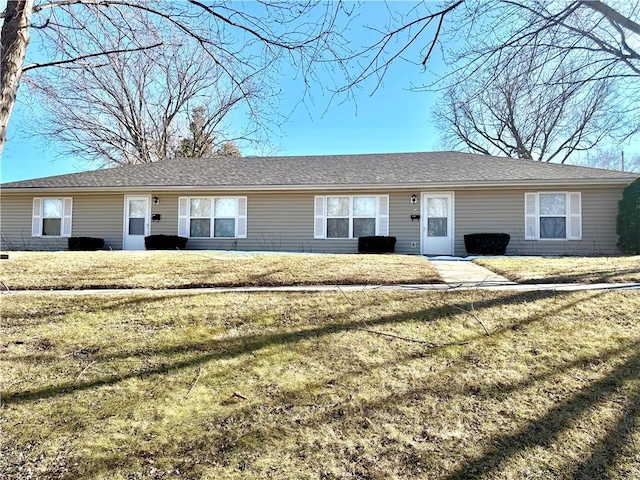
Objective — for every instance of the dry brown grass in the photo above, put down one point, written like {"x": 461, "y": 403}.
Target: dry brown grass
{"x": 156, "y": 270}
{"x": 254, "y": 386}
{"x": 566, "y": 269}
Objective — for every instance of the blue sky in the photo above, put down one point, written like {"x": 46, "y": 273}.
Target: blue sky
{"x": 394, "y": 119}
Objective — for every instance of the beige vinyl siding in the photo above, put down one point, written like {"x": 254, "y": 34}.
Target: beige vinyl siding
{"x": 167, "y": 207}
{"x": 400, "y": 224}
{"x": 94, "y": 215}
{"x": 502, "y": 211}
{"x": 284, "y": 221}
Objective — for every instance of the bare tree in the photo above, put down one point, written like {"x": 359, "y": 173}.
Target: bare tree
{"x": 522, "y": 111}
{"x": 132, "y": 106}
{"x": 601, "y": 39}
{"x": 588, "y": 47}
{"x": 611, "y": 159}
{"x": 248, "y": 42}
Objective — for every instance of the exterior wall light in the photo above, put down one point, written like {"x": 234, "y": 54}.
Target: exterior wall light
{"x": 156, "y": 200}
{"x": 414, "y": 198}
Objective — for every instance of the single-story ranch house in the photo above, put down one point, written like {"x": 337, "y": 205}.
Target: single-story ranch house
{"x": 428, "y": 201}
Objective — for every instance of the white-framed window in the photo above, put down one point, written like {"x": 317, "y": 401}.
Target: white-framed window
{"x": 351, "y": 216}
{"x": 51, "y": 217}
{"x": 199, "y": 217}
{"x": 212, "y": 217}
{"x": 553, "y": 216}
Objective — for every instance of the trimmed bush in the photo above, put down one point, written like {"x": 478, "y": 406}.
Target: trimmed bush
{"x": 165, "y": 242}
{"x": 486, "y": 243}
{"x": 376, "y": 244}
{"x": 628, "y": 226}
{"x": 85, "y": 244}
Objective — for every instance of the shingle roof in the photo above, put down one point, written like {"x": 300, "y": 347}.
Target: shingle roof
{"x": 386, "y": 169}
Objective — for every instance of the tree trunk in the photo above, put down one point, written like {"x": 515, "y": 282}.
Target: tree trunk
{"x": 13, "y": 46}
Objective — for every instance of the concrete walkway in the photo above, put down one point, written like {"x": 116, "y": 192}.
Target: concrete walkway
{"x": 559, "y": 287}
{"x": 467, "y": 273}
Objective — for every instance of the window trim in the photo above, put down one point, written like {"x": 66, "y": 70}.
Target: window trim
{"x": 37, "y": 217}
{"x": 381, "y": 216}
{"x": 569, "y": 215}
{"x": 185, "y": 217}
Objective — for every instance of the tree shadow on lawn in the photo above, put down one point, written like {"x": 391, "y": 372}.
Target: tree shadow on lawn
{"x": 14, "y": 317}
{"x": 502, "y": 391}
{"x": 604, "y": 454}
{"x": 544, "y": 431}
{"x": 56, "y": 313}
{"x": 540, "y": 432}
{"x": 586, "y": 277}
{"x": 244, "y": 435}
{"x": 225, "y": 348}
{"x": 262, "y": 278}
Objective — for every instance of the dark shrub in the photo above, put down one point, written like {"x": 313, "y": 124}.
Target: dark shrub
{"x": 628, "y": 227}
{"x": 376, "y": 244}
{"x": 486, "y": 243}
{"x": 85, "y": 244}
{"x": 165, "y": 242}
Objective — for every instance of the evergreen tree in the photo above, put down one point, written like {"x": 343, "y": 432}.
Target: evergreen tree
{"x": 199, "y": 143}
{"x": 628, "y": 227}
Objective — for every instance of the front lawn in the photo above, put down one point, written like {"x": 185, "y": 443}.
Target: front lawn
{"x": 184, "y": 269}
{"x": 283, "y": 386}
{"x": 566, "y": 269}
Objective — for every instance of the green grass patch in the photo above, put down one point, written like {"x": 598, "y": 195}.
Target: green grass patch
{"x": 180, "y": 269}
{"x": 566, "y": 269}
{"x": 266, "y": 385}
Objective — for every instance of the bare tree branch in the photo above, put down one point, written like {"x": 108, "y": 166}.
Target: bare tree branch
{"x": 582, "y": 77}
{"x": 134, "y": 107}
{"x": 381, "y": 60}
{"x": 248, "y": 43}
{"x": 525, "y": 112}
{"x": 613, "y": 15}
{"x": 85, "y": 57}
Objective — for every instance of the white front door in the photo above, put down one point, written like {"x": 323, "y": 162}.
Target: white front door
{"x": 437, "y": 224}
{"x": 136, "y": 221}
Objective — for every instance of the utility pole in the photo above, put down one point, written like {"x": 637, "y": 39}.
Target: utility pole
{"x": 622, "y": 160}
